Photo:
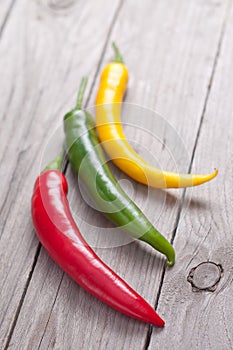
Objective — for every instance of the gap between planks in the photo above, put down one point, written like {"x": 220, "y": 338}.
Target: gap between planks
{"x": 38, "y": 250}
{"x": 23, "y": 296}
{"x": 209, "y": 86}
{"x": 5, "y": 20}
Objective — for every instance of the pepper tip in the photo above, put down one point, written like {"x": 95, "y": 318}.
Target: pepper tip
{"x": 159, "y": 322}
{"x": 170, "y": 263}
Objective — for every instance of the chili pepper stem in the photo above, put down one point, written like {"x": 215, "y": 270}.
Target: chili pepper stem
{"x": 81, "y": 92}
{"x": 56, "y": 163}
{"x": 118, "y": 56}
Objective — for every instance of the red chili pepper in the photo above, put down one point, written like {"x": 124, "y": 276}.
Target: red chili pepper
{"x": 60, "y": 236}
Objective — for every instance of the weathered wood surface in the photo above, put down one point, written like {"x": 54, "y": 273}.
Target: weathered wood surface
{"x": 172, "y": 54}
{"x": 41, "y": 65}
{"x": 203, "y": 320}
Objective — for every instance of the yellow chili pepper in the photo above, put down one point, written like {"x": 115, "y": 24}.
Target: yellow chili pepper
{"x": 110, "y": 94}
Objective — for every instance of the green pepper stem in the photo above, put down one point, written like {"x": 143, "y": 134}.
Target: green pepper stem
{"x": 81, "y": 92}
{"x": 56, "y": 163}
{"x": 118, "y": 56}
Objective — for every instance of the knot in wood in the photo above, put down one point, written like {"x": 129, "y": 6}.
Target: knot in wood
{"x": 205, "y": 276}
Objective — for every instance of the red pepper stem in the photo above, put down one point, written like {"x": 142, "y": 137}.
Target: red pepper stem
{"x": 81, "y": 92}
{"x": 56, "y": 163}
{"x": 118, "y": 56}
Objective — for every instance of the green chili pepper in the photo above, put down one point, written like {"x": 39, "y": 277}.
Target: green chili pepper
{"x": 89, "y": 163}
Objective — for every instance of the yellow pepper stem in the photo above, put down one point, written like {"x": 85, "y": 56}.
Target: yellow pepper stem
{"x": 118, "y": 56}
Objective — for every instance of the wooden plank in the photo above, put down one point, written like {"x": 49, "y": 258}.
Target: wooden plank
{"x": 185, "y": 55}
{"x": 44, "y": 53}
{"x": 203, "y": 320}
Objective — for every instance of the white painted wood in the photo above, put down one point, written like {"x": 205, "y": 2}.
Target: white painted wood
{"x": 203, "y": 320}
{"x": 44, "y": 52}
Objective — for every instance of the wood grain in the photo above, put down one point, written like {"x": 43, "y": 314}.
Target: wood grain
{"x": 203, "y": 320}
{"x": 42, "y": 50}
